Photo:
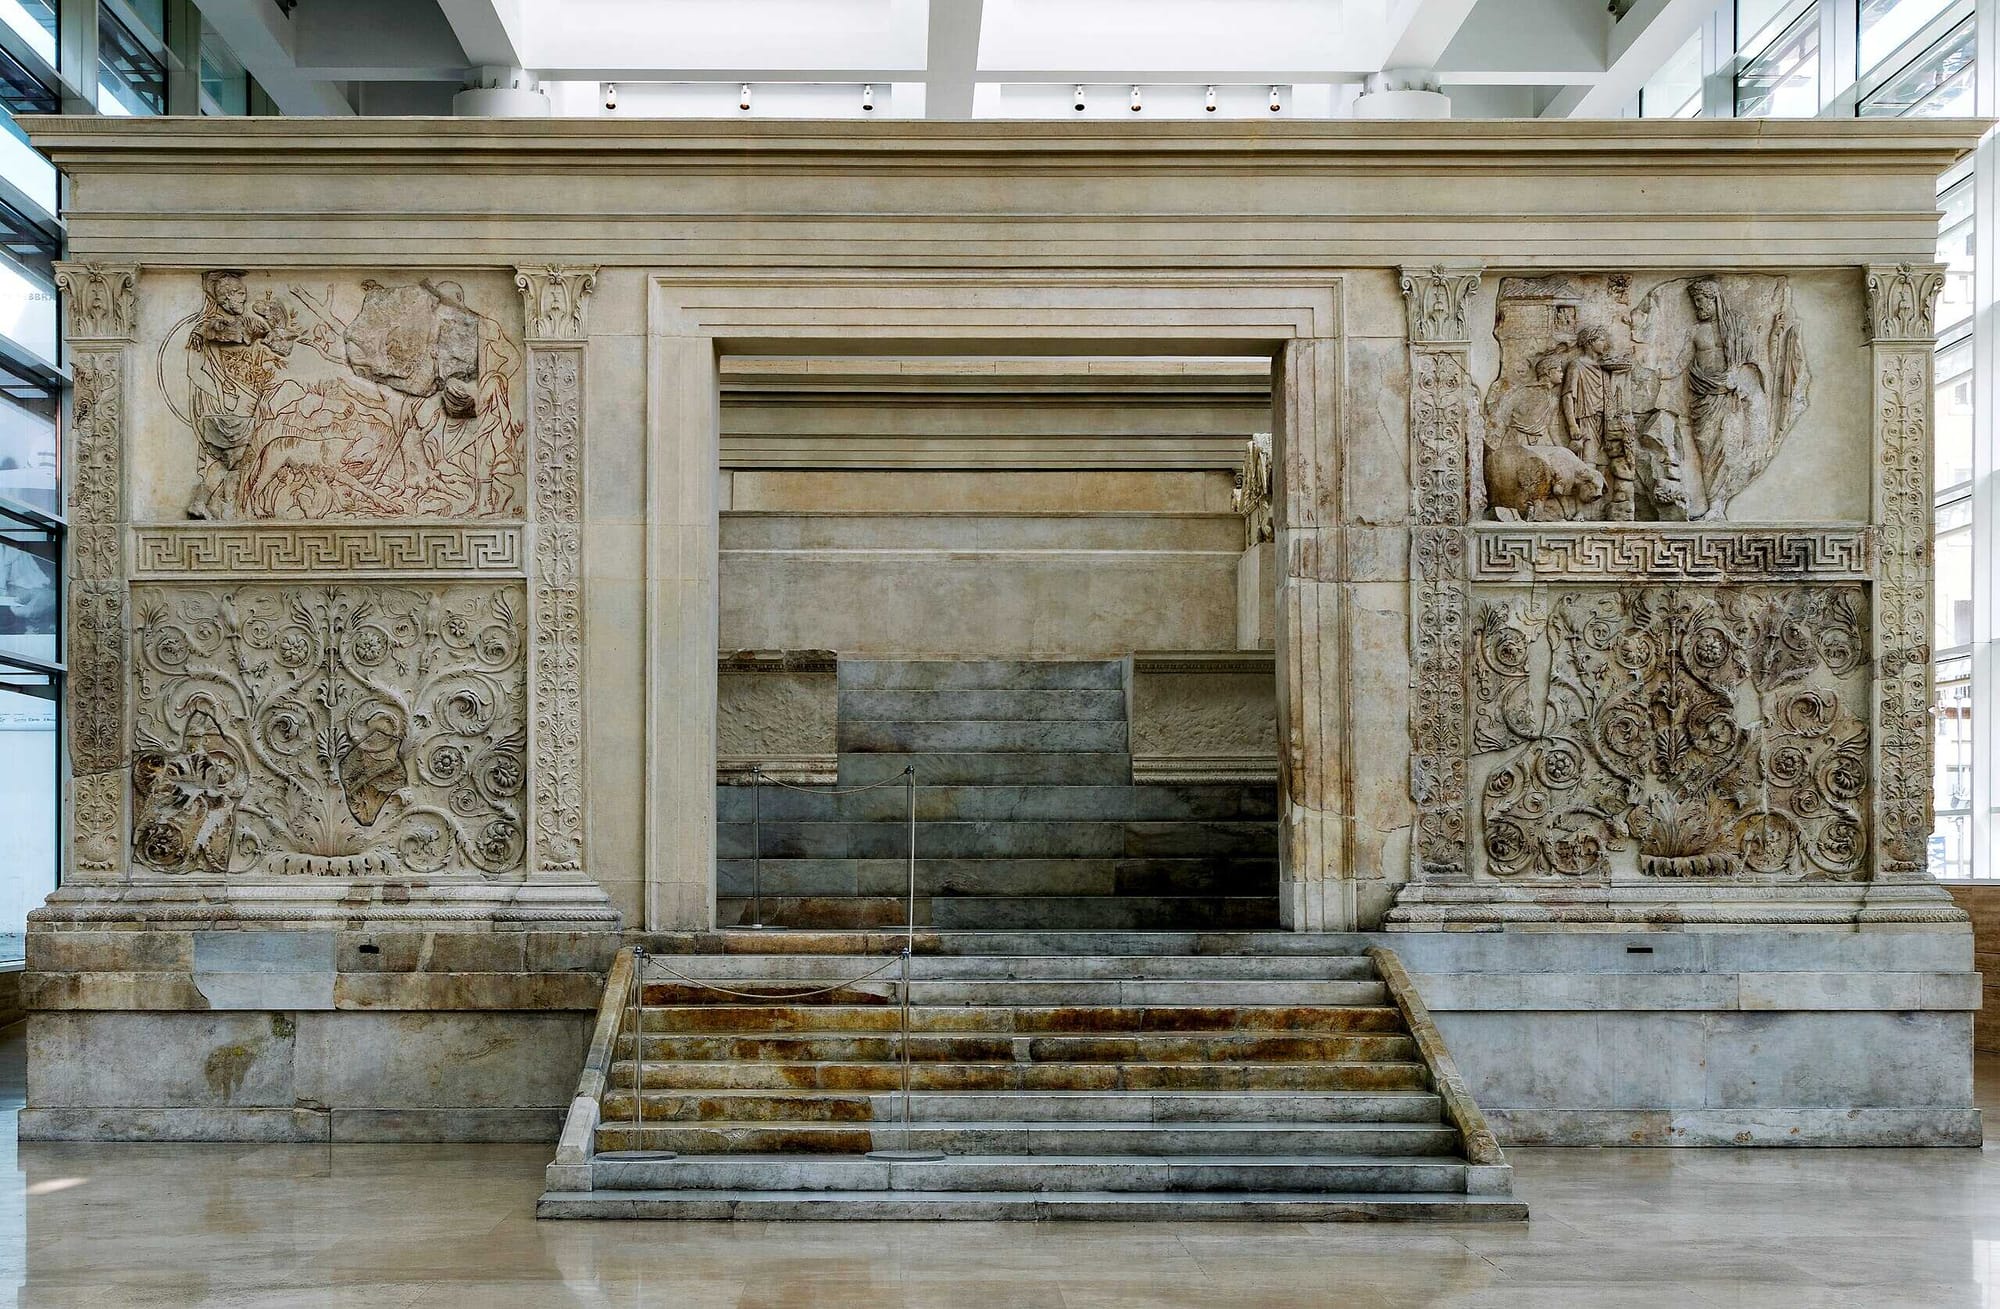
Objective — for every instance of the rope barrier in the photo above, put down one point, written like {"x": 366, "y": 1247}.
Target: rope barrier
{"x": 654, "y": 961}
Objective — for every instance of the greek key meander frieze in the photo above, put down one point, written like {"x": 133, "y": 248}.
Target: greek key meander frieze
{"x": 171, "y": 551}
{"x": 345, "y": 730}
{"x": 1670, "y": 732}
{"x": 1669, "y": 553}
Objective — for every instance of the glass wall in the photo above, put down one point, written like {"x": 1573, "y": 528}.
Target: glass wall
{"x": 1780, "y": 79}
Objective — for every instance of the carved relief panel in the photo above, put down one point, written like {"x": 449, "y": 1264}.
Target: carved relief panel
{"x": 1674, "y": 731}
{"x": 307, "y": 397}
{"x": 1614, "y": 405}
{"x": 344, "y": 730}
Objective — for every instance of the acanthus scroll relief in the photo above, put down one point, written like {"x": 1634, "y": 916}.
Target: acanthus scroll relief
{"x": 1671, "y": 732}
{"x": 346, "y": 400}
{"x": 1664, "y": 410}
{"x": 333, "y": 731}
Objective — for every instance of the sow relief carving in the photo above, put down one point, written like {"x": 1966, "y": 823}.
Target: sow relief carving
{"x": 361, "y": 400}
{"x": 1662, "y": 410}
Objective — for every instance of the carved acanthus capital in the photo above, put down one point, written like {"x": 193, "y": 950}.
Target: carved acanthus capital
{"x": 1902, "y": 301}
{"x": 553, "y": 299}
{"x": 1437, "y": 299}
{"x": 99, "y": 300}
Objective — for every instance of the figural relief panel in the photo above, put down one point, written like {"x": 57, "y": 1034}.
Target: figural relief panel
{"x": 1669, "y": 731}
{"x": 345, "y": 730}
{"x": 308, "y": 399}
{"x": 1663, "y": 407}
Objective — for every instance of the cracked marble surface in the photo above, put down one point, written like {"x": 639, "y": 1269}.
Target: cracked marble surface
{"x": 397, "y": 1227}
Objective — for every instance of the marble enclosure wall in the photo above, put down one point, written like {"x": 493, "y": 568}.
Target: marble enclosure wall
{"x": 1598, "y": 554}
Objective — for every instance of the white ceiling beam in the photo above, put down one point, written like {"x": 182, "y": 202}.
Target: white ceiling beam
{"x": 489, "y": 31}
{"x": 264, "y": 40}
{"x": 1433, "y": 23}
{"x": 1641, "y": 42}
{"x": 952, "y": 60}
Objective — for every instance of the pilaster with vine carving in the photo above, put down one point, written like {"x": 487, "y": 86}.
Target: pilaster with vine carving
{"x": 1443, "y": 413}
{"x": 1902, "y": 300}
{"x": 554, "y": 302}
{"x": 99, "y": 319}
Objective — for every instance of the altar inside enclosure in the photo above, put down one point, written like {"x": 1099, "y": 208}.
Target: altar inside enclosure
{"x": 431, "y": 527}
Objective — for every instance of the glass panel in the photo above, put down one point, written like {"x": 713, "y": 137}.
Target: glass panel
{"x": 1954, "y": 251}
{"x": 35, "y": 22}
{"x": 1951, "y": 839}
{"x": 1937, "y": 84}
{"x": 1783, "y": 81}
{"x": 28, "y": 558}
{"x": 222, "y": 77}
{"x": 149, "y": 17}
{"x": 1953, "y": 598}
{"x": 1954, "y": 416}
{"x": 27, "y": 311}
{"x": 1886, "y": 24}
{"x": 28, "y": 803}
{"x": 131, "y": 79}
{"x": 25, "y": 168}
{"x": 1675, "y": 91}
{"x": 1758, "y": 22}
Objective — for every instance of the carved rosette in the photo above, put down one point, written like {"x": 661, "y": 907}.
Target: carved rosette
{"x": 553, "y": 303}
{"x": 1443, "y": 412}
{"x": 1901, "y": 303}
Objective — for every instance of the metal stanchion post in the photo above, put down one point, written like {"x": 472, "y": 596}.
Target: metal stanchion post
{"x": 639, "y": 1064}
{"x": 757, "y": 846}
{"x": 908, "y": 1154}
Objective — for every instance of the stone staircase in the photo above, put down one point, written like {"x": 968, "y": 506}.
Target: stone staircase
{"x": 1061, "y": 1076}
{"x": 1027, "y": 815}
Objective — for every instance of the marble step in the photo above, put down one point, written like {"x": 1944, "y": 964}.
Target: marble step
{"x": 1205, "y": 801}
{"x": 999, "y": 1206}
{"x": 857, "y": 704}
{"x": 1366, "y": 1010}
{"x": 953, "y": 736}
{"x": 1041, "y": 967}
{"x": 1036, "y": 1138}
{"x": 1151, "y": 1047}
{"x": 980, "y": 675}
{"x": 776, "y": 838}
{"x": 932, "y": 1108}
{"x": 723, "y": 1073}
{"x": 1073, "y": 944}
{"x": 780, "y": 875}
{"x": 992, "y": 768}
{"x": 999, "y": 991}
{"x": 1110, "y": 912}
{"x": 1375, "y": 1173}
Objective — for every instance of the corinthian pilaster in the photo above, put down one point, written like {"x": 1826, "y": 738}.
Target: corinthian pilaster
{"x": 1443, "y": 411}
{"x": 554, "y": 301}
{"x": 99, "y": 318}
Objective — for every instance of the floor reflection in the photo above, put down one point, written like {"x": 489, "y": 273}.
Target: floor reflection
{"x": 107, "y": 1226}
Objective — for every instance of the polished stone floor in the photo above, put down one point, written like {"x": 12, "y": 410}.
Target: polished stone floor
{"x": 384, "y": 1227}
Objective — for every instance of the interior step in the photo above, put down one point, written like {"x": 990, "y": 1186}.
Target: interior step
{"x": 859, "y": 704}
{"x": 994, "y": 768}
{"x": 1040, "y": 966}
{"x": 982, "y": 675}
{"x": 954, "y": 736}
{"x": 932, "y": 1109}
{"x": 1027, "y": 875}
{"x": 1104, "y": 913}
{"x": 1009, "y": 1075}
{"x": 1037, "y": 1138}
{"x": 1079, "y": 1172}
{"x": 1005, "y": 1206}
{"x": 1150, "y": 802}
{"x": 822, "y": 1047}
{"x": 1363, "y": 1007}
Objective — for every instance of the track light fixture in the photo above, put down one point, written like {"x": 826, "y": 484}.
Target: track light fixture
{"x": 1135, "y": 98}
{"x": 868, "y": 99}
{"x": 743, "y": 96}
{"x": 1079, "y": 97}
{"x": 1208, "y": 101}
{"x": 1276, "y": 104}
{"x": 611, "y": 95}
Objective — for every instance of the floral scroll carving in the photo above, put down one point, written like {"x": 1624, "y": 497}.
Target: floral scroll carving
{"x": 1902, "y": 303}
{"x": 1437, "y": 299}
{"x": 1664, "y": 410}
{"x": 1672, "y": 732}
{"x": 363, "y": 400}
{"x": 554, "y": 299}
{"x": 98, "y": 300}
{"x": 331, "y": 731}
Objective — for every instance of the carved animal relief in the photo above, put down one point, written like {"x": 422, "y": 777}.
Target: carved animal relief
{"x": 334, "y": 731}
{"x": 1671, "y": 732}
{"x": 336, "y": 401}
{"x": 1662, "y": 410}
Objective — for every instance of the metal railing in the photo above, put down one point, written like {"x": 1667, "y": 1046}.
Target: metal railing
{"x": 645, "y": 964}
